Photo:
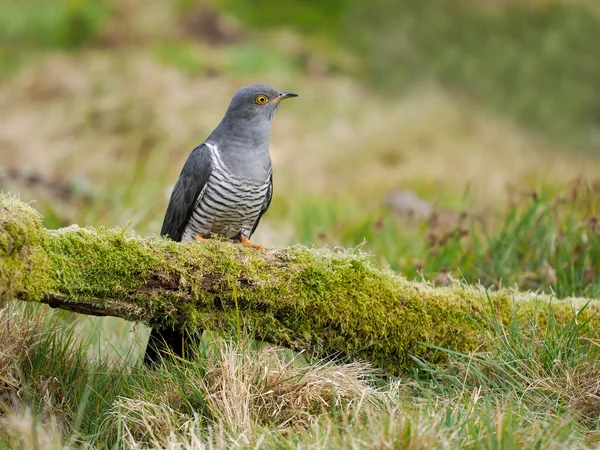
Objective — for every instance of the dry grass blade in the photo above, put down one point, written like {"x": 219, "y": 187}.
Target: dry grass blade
{"x": 157, "y": 421}
{"x": 31, "y": 434}
{"x": 584, "y": 392}
{"x": 232, "y": 392}
{"x": 17, "y": 336}
{"x": 247, "y": 388}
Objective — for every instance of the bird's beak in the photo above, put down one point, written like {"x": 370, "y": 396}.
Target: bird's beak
{"x": 283, "y": 96}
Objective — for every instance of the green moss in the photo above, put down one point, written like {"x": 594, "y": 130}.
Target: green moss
{"x": 584, "y": 312}
{"x": 98, "y": 263}
{"x": 24, "y": 271}
{"x": 325, "y": 302}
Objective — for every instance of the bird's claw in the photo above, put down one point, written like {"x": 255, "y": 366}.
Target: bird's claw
{"x": 247, "y": 243}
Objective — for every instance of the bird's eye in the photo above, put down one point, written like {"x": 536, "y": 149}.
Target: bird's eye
{"x": 261, "y": 99}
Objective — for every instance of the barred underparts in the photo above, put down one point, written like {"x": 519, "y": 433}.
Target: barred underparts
{"x": 228, "y": 205}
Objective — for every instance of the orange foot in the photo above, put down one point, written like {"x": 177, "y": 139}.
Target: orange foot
{"x": 201, "y": 239}
{"x": 247, "y": 243}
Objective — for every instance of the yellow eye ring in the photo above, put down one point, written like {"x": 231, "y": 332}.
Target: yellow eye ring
{"x": 261, "y": 99}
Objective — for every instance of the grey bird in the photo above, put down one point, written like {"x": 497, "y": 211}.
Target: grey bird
{"x": 225, "y": 185}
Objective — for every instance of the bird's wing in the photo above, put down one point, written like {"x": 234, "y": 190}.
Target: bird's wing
{"x": 193, "y": 178}
{"x": 266, "y": 204}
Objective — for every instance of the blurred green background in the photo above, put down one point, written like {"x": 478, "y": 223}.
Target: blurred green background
{"x": 451, "y": 139}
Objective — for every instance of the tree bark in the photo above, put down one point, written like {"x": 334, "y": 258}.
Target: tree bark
{"x": 328, "y": 303}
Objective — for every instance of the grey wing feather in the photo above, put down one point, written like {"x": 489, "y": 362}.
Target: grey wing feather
{"x": 266, "y": 204}
{"x": 193, "y": 178}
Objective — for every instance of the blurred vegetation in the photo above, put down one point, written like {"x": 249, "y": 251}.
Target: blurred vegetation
{"x": 537, "y": 61}
{"x": 549, "y": 243}
{"x": 66, "y": 24}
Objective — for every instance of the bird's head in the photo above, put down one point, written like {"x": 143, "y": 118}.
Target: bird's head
{"x": 256, "y": 102}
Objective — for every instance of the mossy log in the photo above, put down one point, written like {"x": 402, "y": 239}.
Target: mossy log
{"x": 323, "y": 301}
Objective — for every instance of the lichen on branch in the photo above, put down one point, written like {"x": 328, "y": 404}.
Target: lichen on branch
{"x": 323, "y": 301}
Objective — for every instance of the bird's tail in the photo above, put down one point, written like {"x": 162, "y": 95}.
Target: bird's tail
{"x": 162, "y": 343}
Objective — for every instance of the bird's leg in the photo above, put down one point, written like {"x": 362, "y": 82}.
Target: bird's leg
{"x": 247, "y": 243}
{"x": 201, "y": 239}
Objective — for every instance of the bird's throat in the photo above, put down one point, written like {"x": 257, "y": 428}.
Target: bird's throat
{"x": 244, "y": 148}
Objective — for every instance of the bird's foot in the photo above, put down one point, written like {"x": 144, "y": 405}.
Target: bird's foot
{"x": 247, "y": 243}
{"x": 201, "y": 239}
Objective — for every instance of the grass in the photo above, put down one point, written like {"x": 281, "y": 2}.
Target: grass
{"x": 553, "y": 365}
{"x": 531, "y": 388}
{"x": 46, "y": 371}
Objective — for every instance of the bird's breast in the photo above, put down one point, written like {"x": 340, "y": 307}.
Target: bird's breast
{"x": 228, "y": 204}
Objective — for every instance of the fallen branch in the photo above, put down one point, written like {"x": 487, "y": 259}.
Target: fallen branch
{"x": 319, "y": 300}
